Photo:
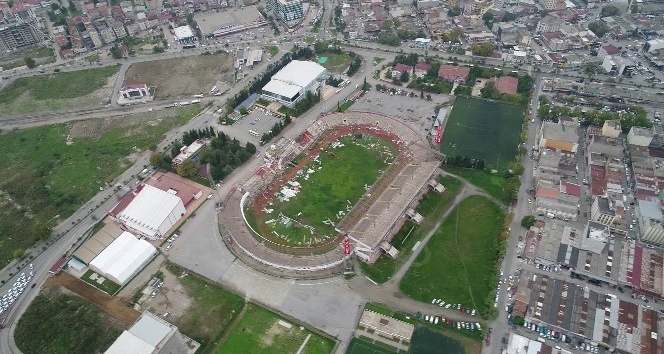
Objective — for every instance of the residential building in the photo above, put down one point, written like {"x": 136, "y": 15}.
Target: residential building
{"x": 656, "y": 146}
{"x": 427, "y": 4}
{"x": 618, "y": 65}
{"x": 603, "y": 211}
{"x": 639, "y": 136}
{"x": 553, "y": 5}
{"x": 611, "y": 128}
{"x": 421, "y": 68}
{"x": 653, "y": 45}
{"x": 650, "y": 222}
{"x": 559, "y": 136}
{"x": 286, "y": 11}
{"x": 480, "y": 37}
{"x": 607, "y": 50}
{"x": 18, "y": 35}
{"x": 453, "y": 73}
{"x": 549, "y": 23}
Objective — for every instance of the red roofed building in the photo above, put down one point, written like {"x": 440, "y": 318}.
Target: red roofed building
{"x": 507, "y": 84}
{"x": 607, "y": 50}
{"x": 134, "y": 90}
{"x": 421, "y": 69}
{"x": 399, "y": 69}
{"x": 453, "y": 73}
{"x": 597, "y": 180}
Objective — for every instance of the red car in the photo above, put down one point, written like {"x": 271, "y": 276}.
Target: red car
{"x": 463, "y": 309}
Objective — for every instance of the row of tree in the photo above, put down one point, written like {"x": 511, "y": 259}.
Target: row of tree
{"x": 276, "y": 129}
{"x": 464, "y": 161}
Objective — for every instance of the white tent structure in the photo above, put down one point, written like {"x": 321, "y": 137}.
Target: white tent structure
{"x": 152, "y": 212}
{"x": 123, "y": 258}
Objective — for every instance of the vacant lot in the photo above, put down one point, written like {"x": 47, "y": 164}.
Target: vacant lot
{"x": 49, "y": 172}
{"x": 211, "y": 309}
{"x": 262, "y": 331}
{"x": 493, "y": 183}
{"x": 457, "y": 265}
{"x": 337, "y": 63}
{"x": 178, "y": 77}
{"x": 83, "y": 88}
{"x": 431, "y": 207}
{"x": 483, "y": 129}
{"x": 307, "y": 208}
{"x": 64, "y": 324}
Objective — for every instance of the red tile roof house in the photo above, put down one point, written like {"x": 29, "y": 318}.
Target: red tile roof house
{"x": 453, "y": 73}
{"x": 398, "y": 69}
{"x": 421, "y": 69}
{"x": 507, "y": 84}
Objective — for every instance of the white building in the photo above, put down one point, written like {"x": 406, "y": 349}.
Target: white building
{"x": 650, "y": 222}
{"x": 123, "y": 258}
{"x": 134, "y": 90}
{"x": 639, "y": 136}
{"x": 287, "y": 11}
{"x": 294, "y": 81}
{"x": 152, "y": 335}
{"x": 653, "y": 45}
{"x": 187, "y": 152}
{"x": 184, "y": 35}
{"x": 151, "y": 212}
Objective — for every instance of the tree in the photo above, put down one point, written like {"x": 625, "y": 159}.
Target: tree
{"x": 609, "y": 10}
{"x": 483, "y": 49}
{"x": 528, "y": 221}
{"x": 115, "y": 52}
{"x": 598, "y": 28}
{"x": 157, "y": 49}
{"x": 155, "y": 158}
{"x": 405, "y": 76}
{"x": 175, "y": 149}
{"x": 488, "y": 19}
{"x": 18, "y": 253}
{"x": 455, "y": 34}
{"x": 244, "y": 111}
{"x": 454, "y": 11}
{"x": 187, "y": 168}
{"x": 41, "y": 231}
{"x": 250, "y": 148}
{"x": 518, "y": 321}
{"x": 29, "y": 62}
{"x": 590, "y": 70}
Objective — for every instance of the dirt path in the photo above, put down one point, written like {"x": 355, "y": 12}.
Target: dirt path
{"x": 112, "y": 306}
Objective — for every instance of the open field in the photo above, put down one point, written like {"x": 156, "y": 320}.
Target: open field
{"x": 114, "y": 307}
{"x": 483, "y": 129}
{"x": 337, "y": 63}
{"x": 273, "y": 50}
{"x": 431, "y": 207}
{"x": 262, "y": 331}
{"x": 49, "y": 92}
{"x": 53, "y": 170}
{"x": 211, "y": 309}
{"x": 43, "y": 55}
{"x": 493, "y": 183}
{"x": 327, "y": 187}
{"x": 365, "y": 346}
{"x": 64, "y": 324}
{"x": 426, "y": 341}
{"x": 184, "y": 77}
{"x": 458, "y": 263}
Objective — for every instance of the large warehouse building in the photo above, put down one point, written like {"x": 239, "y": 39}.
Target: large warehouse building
{"x": 97, "y": 243}
{"x": 293, "y": 82}
{"x": 152, "y": 335}
{"x": 123, "y": 258}
{"x": 149, "y": 211}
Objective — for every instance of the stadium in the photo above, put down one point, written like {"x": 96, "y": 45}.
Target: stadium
{"x": 369, "y": 224}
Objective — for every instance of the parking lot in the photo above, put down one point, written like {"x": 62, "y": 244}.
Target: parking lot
{"x": 257, "y": 121}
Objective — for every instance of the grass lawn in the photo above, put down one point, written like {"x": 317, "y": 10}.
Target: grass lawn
{"x": 261, "y": 331}
{"x": 107, "y": 286}
{"x": 46, "y": 179}
{"x": 492, "y": 183}
{"x": 51, "y": 86}
{"x": 483, "y": 129}
{"x": 211, "y": 312}
{"x": 43, "y": 55}
{"x": 337, "y": 63}
{"x": 331, "y": 185}
{"x": 309, "y": 40}
{"x": 367, "y": 346}
{"x": 431, "y": 207}
{"x": 273, "y": 50}
{"x": 458, "y": 263}
{"x": 346, "y": 105}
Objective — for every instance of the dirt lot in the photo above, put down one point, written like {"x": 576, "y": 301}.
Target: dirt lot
{"x": 172, "y": 297}
{"x": 113, "y": 306}
{"x": 131, "y": 124}
{"x": 184, "y": 77}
